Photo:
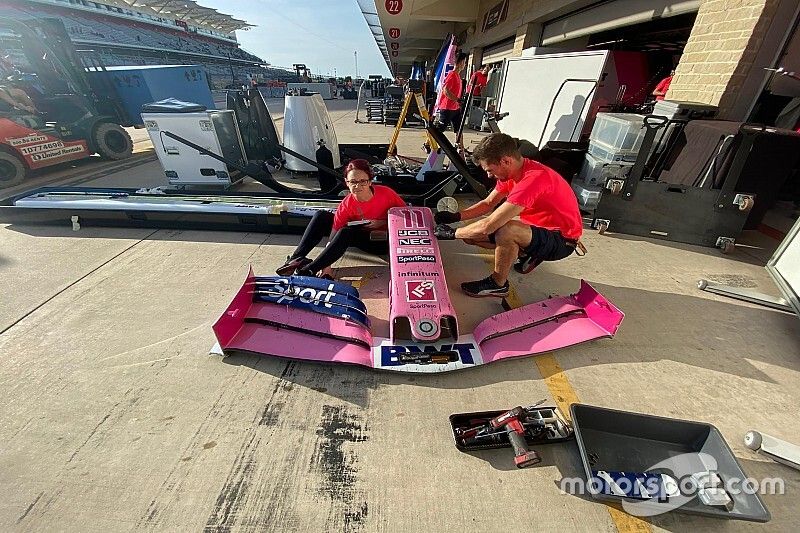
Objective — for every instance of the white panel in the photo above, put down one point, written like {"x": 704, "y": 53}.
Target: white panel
{"x": 530, "y": 85}
{"x": 188, "y": 165}
{"x": 613, "y": 15}
{"x": 785, "y": 267}
{"x": 305, "y": 122}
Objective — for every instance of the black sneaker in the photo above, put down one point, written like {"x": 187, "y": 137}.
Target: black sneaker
{"x": 526, "y": 263}
{"x": 485, "y": 287}
{"x": 305, "y": 272}
{"x": 291, "y": 264}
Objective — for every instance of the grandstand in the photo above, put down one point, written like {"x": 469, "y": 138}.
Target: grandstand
{"x": 164, "y": 32}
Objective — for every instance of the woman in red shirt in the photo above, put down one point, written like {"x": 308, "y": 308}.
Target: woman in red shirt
{"x": 362, "y": 212}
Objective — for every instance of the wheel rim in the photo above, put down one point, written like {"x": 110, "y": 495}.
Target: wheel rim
{"x": 7, "y": 171}
{"x": 116, "y": 141}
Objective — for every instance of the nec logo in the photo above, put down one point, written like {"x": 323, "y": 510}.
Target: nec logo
{"x": 415, "y": 241}
{"x": 420, "y": 291}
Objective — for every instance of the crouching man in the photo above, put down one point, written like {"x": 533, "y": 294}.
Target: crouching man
{"x": 539, "y": 220}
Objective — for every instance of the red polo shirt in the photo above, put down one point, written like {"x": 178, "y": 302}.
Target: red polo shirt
{"x": 663, "y": 86}
{"x": 479, "y": 79}
{"x": 547, "y": 199}
{"x": 453, "y": 84}
{"x": 350, "y": 209}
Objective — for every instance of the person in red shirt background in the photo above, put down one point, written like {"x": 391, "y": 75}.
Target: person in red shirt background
{"x": 549, "y": 225}
{"x": 663, "y": 86}
{"x": 479, "y": 79}
{"x": 360, "y": 213}
{"x": 449, "y": 104}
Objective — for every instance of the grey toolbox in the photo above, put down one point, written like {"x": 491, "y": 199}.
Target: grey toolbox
{"x": 642, "y": 446}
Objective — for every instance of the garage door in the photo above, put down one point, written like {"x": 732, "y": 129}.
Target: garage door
{"x": 610, "y": 15}
{"x": 497, "y": 52}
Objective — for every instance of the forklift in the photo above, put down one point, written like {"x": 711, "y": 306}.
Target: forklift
{"x": 67, "y": 114}
{"x": 303, "y": 73}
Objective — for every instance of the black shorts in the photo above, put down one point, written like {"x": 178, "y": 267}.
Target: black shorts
{"x": 449, "y": 117}
{"x": 546, "y": 245}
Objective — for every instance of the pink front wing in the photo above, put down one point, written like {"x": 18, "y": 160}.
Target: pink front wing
{"x": 272, "y": 329}
{"x": 548, "y": 325}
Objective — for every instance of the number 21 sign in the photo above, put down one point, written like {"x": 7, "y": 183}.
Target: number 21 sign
{"x": 393, "y": 7}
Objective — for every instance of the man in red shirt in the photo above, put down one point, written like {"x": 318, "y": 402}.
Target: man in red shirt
{"x": 663, "y": 86}
{"x": 549, "y": 224}
{"x": 479, "y": 79}
{"x": 448, "y": 103}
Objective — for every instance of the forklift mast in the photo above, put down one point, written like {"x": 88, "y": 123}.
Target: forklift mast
{"x": 54, "y": 59}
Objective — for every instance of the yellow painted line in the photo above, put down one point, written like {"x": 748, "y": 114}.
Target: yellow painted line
{"x": 360, "y": 282}
{"x": 557, "y": 382}
{"x": 564, "y": 395}
{"x": 627, "y": 523}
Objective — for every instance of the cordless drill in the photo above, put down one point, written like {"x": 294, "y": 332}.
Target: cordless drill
{"x": 512, "y": 422}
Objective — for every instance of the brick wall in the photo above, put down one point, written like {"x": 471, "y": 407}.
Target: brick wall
{"x": 719, "y": 54}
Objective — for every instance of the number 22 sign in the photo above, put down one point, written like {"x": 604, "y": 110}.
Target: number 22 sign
{"x": 393, "y": 7}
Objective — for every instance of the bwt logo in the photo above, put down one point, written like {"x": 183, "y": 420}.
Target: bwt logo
{"x": 396, "y": 355}
{"x": 306, "y": 295}
{"x": 420, "y": 291}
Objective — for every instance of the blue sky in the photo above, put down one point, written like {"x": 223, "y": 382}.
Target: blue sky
{"x": 323, "y": 34}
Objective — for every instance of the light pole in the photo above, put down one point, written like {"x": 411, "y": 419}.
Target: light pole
{"x": 355, "y": 54}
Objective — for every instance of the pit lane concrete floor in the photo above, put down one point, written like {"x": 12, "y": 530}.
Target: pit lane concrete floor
{"x": 114, "y": 416}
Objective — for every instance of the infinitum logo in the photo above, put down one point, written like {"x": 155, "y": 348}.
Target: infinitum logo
{"x": 418, "y": 274}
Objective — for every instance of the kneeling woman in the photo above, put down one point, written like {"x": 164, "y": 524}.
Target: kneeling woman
{"x": 361, "y": 212}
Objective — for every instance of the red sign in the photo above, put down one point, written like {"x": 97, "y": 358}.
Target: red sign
{"x": 394, "y": 33}
{"x": 393, "y": 7}
{"x": 420, "y": 291}
{"x": 395, "y": 46}
{"x": 40, "y": 149}
{"x": 394, "y": 53}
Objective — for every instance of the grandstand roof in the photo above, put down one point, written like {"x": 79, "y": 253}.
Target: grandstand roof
{"x": 188, "y": 11}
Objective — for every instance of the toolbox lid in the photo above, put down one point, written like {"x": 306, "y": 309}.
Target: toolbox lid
{"x": 172, "y": 105}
